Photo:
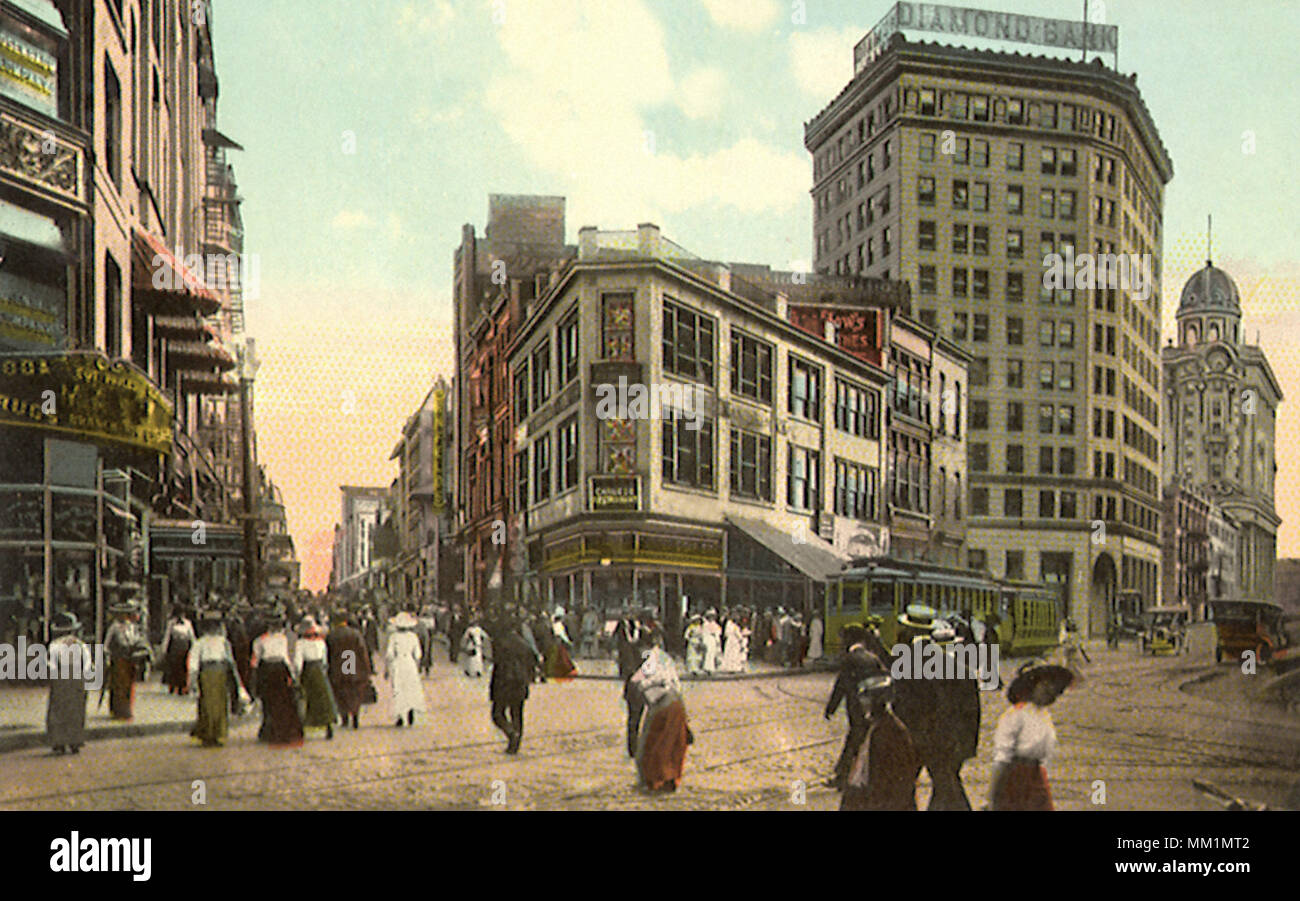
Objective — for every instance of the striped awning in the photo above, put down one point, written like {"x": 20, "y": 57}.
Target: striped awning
{"x": 155, "y": 272}
{"x": 208, "y": 355}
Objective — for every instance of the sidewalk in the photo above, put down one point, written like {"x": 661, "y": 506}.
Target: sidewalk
{"x": 22, "y": 715}
{"x": 608, "y": 669}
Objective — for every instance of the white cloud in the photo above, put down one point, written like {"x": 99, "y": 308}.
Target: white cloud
{"x": 578, "y": 113}
{"x": 346, "y": 220}
{"x": 743, "y": 15}
{"x": 700, "y": 93}
{"x": 822, "y": 60}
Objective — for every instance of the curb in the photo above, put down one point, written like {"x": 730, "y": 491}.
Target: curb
{"x": 26, "y": 740}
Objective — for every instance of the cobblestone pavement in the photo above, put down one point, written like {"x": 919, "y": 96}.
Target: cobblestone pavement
{"x": 1136, "y": 725}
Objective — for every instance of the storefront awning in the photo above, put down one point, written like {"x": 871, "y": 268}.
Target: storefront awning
{"x": 811, "y": 555}
{"x": 156, "y": 270}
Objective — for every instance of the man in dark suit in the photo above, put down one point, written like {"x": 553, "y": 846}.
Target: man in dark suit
{"x": 630, "y": 637}
{"x": 349, "y": 668}
{"x": 512, "y": 671}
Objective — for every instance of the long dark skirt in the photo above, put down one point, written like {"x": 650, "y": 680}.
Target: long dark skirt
{"x": 65, "y": 718}
{"x": 559, "y": 665}
{"x": 321, "y": 710}
{"x": 1025, "y": 788}
{"x": 280, "y": 722}
{"x": 244, "y": 666}
{"x": 121, "y": 688}
{"x": 348, "y": 696}
{"x": 662, "y": 752}
{"x": 176, "y": 674}
{"x": 214, "y": 705}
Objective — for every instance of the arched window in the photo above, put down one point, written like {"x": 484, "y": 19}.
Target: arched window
{"x": 1193, "y": 335}
{"x": 1213, "y": 334}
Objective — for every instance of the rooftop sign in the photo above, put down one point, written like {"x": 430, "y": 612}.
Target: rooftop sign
{"x": 983, "y": 23}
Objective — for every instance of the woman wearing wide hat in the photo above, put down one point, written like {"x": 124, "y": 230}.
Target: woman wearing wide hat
{"x": 403, "y": 656}
{"x": 211, "y": 667}
{"x": 309, "y": 658}
{"x": 661, "y": 744}
{"x": 176, "y": 652}
{"x": 1025, "y": 738}
{"x": 71, "y": 665}
{"x": 125, "y": 646}
{"x": 274, "y": 676}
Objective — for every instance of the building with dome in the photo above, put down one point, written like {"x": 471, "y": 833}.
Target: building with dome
{"x": 1219, "y": 414}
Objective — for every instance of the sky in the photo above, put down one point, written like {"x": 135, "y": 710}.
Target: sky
{"x": 373, "y": 131}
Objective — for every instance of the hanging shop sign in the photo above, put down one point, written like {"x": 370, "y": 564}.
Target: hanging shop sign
{"x": 615, "y": 494}
{"x": 86, "y": 396}
{"x": 439, "y": 448}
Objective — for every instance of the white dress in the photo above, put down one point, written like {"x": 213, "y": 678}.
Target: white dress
{"x": 712, "y": 641}
{"x": 1024, "y": 730}
{"x": 815, "y": 649}
{"x": 735, "y": 653}
{"x": 404, "y": 672}
{"x": 472, "y": 645}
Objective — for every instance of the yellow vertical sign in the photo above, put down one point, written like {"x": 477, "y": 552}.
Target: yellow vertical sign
{"x": 439, "y": 440}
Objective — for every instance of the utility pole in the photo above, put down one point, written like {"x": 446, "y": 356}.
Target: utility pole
{"x": 252, "y": 552}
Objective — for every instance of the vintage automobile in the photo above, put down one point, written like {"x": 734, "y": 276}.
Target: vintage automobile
{"x": 1244, "y": 625}
{"x": 1164, "y": 631}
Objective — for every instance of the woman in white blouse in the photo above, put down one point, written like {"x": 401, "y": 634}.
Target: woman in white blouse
{"x": 1025, "y": 739}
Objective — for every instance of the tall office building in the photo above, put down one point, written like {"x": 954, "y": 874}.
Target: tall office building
{"x": 964, "y": 172}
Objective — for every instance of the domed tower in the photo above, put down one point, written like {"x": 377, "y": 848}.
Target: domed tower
{"x": 1218, "y": 421}
{"x": 1210, "y": 309}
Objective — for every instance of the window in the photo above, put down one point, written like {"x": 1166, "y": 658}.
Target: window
{"x": 1015, "y": 458}
{"x": 979, "y": 414}
{"x": 804, "y": 480}
{"x": 925, "y": 235}
{"x": 925, "y": 190}
{"x": 1013, "y": 505}
{"x": 688, "y": 343}
{"x": 959, "y": 324}
{"x": 1015, "y": 199}
{"x": 1067, "y": 201}
{"x": 1046, "y": 412}
{"x": 1015, "y": 287}
{"x": 1015, "y": 373}
{"x": 1065, "y": 376}
{"x": 687, "y": 454}
{"x": 1047, "y": 203}
{"x": 928, "y": 282}
{"x": 1046, "y": 376}
{"x": 927, "y": 102}
{"x": 113, "y": 123}
{"x": 977, "y": 560}
{"x": 805, "y": 390}
{"x": 1069, "y": 505}
{"x": 979, "y": 197}
{"x": 1069, "y": 163}
{"x": 1015, "y": 570}
{"x": 1046, "y": 461}
{"x": 979, "y": 456}
{"x": 751, "y": 465}
{"x": 980, "y": 327}
{"x": 962, "y": 156}
{"x": 1046, "y": 333}
{"x": 979, "y": 502}
{"x": 979, "y": 154}
{"x": 568, "y": 462}
{"x": 1015, "y": 243}
{"x": 618, "y": 338}
{"x": 855, "y": 490}
{"x": 1048, "y": 157}
{"x": 960, "y": 194}
{"x": 930, "y": 319}
{"x": 1065, "y": 419}
{"x": 979, "y": 107}
{"x": 1046, "y": 504}
{"x": 568, "y": 341}
{"x": 926, "y": 149}
{"x": 1015, "y": 156}
{"x": 1015, "y": 416}
{"x": 980, "y": 283}
{"x": 542, "y": 374}
{"x": 751, "y": 367}
{"x": 541, "y": 469}
{"x": 1067, "y": 334}
{"x": 1016, "y": 111}
{"x": 979, "y": 372}
{"x": 857, "y": 410}
{"x": 960, "y": 234}
{"x": 980, "y": 240}
{"x": 521, "y": 392}
{"x": 959, "y": 282}
{"x": 521, "y": 479}
{"x": 1065, "y": 461}
{"x": 1015, "y": 330}
{"x": 1047, "y": 115}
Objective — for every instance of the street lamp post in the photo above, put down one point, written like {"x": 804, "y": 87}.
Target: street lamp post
{"x": 248, "y": 366}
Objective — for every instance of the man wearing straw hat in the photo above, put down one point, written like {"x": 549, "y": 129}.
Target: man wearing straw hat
{"x": 71, "y": 668}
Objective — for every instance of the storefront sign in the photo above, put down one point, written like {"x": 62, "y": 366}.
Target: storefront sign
{"x": 31, "y": 315}
{"x": 28, "y": 73}
{"x": 439, "y": 448}
{"x": 85, "y": 395}
{"x": 615, "y": 494}
{"x": 983, "y": 23}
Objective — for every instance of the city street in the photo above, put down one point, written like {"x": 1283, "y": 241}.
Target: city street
{"x": 1145, "y": 727}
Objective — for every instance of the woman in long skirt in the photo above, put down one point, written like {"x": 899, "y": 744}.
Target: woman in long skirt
{"x": 309, "y": 657}
{"x": 125, "y": 646}
{"x": 403, "y": 656}
{"x": 211, "y": 667}
{"x": 273, "y": 669}
{"x": 661, "y": 745}
{"x": 1025, "y": 739}
{"x": 472, "y": 647}
{"x": 561, "y": 663}
{"x": 70, "y": 667}
{"x": 176, "y": 653}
